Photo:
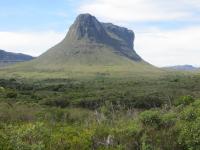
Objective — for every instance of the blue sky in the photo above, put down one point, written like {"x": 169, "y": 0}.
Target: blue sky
{"x": 167, "y": 32}
{"x": 17, "y": 15}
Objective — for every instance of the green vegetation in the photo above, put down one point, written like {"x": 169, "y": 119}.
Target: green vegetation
{"x": 100, "y": 113}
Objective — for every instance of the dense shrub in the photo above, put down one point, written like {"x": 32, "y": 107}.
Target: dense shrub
{"x": 127, "y": 135}
{"x": 189, "y": 134}
{"x": 184, "y": 100}
{"x": 150, "y": 118}
{"x": 27, "y": 136}
{"x": 90, "y": 103}
{"x": 57, "y": 102}
{"x": 70, "y": 115}
{"x": 18, "y": 112}
{"x": 11, "y": 94}
{"x": 2, "y": 89}
{"x": 168, "y": 119}
{"x": 148, "y": 102}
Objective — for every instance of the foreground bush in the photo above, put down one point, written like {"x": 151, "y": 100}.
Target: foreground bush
{"x": 83, "y": 129}
{"x": 27, "y": 136}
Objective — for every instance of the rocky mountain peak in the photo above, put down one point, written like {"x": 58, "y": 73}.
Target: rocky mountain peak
{"x": 87, "y": 27}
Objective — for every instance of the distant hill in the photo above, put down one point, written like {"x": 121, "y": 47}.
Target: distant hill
{"x": 7, "y": 58}
{"x": 183, "y": 68}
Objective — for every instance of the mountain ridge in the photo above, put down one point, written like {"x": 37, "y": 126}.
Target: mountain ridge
{"x": 8, "y": 58}
{"x": 182, "y": 68}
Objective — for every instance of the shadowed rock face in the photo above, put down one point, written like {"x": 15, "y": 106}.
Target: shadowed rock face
{"x": 122, "y": 35}
{"x": 122, "y": 41}
{"x": 89, "y": 28}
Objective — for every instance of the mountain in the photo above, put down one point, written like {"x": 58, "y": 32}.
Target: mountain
{"x": 91, "y": 47}
{"x": 90, "y": 42}
{"x": 7, "y": 58}
{"x": 182, "y": 68}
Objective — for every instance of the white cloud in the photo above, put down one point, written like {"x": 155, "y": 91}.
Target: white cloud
{"x": 140, "y": 10}
{"x": 33, "y": 43}
{"x": 174, "y": 47}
